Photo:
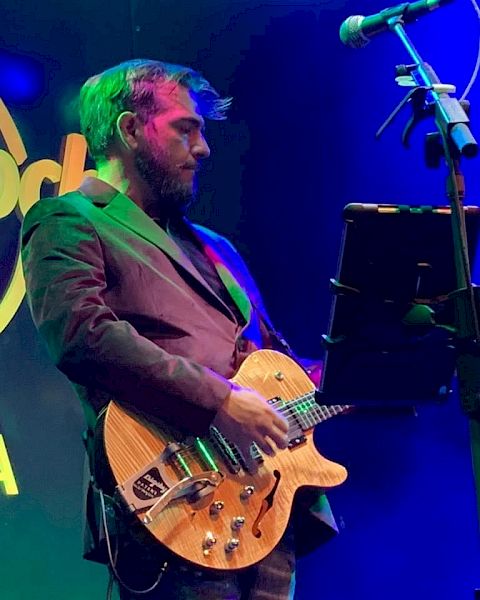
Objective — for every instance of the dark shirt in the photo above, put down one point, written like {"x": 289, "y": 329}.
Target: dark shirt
{"x": 179, "y": 231}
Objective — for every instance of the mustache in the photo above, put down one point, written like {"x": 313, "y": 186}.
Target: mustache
{"x": 194, "y": 166}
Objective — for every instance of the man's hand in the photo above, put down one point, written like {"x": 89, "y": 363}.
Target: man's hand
{"x": 246, "y": 417}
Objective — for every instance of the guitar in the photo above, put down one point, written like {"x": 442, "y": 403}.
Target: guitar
{"x": 197, "y": 496}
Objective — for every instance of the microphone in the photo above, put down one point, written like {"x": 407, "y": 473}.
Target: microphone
{"x": 356, "y": 31}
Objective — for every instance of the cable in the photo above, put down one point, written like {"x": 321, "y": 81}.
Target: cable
{"x": 477, "y": 64}
{"x": 113, "y": 560}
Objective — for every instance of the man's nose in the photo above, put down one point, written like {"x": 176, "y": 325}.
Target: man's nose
{"x": 200, "y": 148}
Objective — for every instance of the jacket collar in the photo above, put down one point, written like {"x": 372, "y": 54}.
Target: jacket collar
{"x": 122, "y": 209}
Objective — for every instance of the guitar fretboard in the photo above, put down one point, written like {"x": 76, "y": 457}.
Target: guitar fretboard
{"x": 308, "y": 413}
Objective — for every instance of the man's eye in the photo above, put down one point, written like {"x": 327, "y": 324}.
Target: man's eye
{"x": 185, "y": 129}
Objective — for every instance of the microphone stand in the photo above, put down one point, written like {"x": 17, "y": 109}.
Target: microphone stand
{"x": 453, "y": 140}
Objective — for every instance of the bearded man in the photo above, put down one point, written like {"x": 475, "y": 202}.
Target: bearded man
{"x": 140, "y": 305}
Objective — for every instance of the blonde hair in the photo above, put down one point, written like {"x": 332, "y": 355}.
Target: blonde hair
{"x": 131, "y": 85}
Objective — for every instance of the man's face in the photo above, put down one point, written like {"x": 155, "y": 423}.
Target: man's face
{"x": 171, "y": 147}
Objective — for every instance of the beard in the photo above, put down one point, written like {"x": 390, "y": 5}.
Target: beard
{"x": 171, "y": 196}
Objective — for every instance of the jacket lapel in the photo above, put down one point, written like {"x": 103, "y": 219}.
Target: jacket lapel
{"x": 234, "y": 288}
{"x": 123, "y": 210}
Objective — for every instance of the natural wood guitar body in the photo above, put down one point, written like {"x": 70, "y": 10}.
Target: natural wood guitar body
{"x": 256, "y": 507}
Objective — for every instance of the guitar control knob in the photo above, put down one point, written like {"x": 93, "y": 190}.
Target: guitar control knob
{"x": 238, "y": 522}
{"x": 232, "y": 544}
{"x": 216, "y": 507}
{"x": 209, "y": 540}
{"x": 247, "y": 492}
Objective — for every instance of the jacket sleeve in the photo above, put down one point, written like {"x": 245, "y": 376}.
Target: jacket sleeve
{"x": 66, "y": 279}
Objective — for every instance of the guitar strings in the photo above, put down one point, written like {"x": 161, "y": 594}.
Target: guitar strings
{"x": 190, "y": 451}
{"x": 313, "y": 414}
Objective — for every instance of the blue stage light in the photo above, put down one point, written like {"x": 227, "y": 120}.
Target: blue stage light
{"x": 21, "y": 78}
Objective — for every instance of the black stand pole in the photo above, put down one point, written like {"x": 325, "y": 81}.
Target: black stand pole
{"x": 453, "y": 140}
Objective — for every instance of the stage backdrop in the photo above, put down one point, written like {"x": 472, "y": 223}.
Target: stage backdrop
{"x": 298, "y": 146}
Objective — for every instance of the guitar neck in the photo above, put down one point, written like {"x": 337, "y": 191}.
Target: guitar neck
{"x": 308, "y": 413}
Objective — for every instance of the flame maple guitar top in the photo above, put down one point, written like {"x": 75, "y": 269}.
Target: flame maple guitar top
{"x": 187, "y": 525}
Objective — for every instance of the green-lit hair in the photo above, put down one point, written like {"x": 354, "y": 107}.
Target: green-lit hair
{"x": 131, "y": 86}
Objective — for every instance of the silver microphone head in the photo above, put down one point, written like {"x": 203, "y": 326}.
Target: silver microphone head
{"x": 351, "y": 32}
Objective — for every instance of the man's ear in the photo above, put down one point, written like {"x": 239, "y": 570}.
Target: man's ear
{"x": 127, "y": 129}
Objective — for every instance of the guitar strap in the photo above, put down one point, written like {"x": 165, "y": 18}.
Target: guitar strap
{"x": 278, "y": 341}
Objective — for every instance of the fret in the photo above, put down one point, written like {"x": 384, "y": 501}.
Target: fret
{"x": 323, "y": 412}
{"x": 308, "y": 417}
{"x": 317, "y": 414}
{"x": 329, "y": 411}
{"x": 301, "y": 408}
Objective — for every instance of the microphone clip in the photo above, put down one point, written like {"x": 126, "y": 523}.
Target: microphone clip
{"x": 421, "y": 110}
{"x": 424, "y": 100}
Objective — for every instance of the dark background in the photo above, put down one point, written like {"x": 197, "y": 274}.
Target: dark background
{"x": 298, "y": 146}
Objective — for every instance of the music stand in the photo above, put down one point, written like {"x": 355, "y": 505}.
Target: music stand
{"x": 391, "y": 333}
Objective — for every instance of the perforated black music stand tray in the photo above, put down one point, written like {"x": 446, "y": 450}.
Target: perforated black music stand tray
{"x": 391, "y": 333}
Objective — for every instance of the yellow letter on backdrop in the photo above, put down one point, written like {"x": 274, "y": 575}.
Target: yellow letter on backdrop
{"x": 7, "y": 478}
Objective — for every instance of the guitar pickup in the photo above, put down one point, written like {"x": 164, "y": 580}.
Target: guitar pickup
{"x": 255, "y": 456}
{"x": 226, "y": 450}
